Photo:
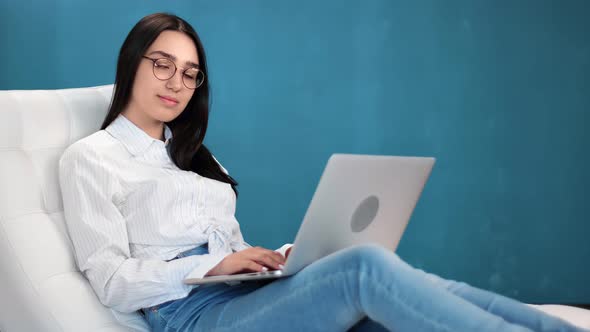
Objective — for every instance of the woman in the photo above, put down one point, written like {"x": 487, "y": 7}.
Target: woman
{"x": 146, "y": 203}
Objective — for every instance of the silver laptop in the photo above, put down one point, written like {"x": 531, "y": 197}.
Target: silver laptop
{"x": 359, "y": 199}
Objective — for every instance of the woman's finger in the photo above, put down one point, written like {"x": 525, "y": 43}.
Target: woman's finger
{"x": 269, "y": 261}
{"x": 265, "y": 257}
{"x": 254, "y": 266}
{"x": 280, "y": 259}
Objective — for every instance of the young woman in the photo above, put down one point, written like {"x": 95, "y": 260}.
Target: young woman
{"x": 146, "y": 203}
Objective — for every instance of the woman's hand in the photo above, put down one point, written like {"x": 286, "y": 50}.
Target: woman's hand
{"x": 254, "y": 259}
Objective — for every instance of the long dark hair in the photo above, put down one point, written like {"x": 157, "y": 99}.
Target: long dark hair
{"x": 187, "y": 150}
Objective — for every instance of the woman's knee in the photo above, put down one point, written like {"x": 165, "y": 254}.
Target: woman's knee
{"x": 372, "y": 256}
{"x": 359, "y": 262}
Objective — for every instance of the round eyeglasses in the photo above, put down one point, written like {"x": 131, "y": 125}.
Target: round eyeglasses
{"x": 164, "y": 69}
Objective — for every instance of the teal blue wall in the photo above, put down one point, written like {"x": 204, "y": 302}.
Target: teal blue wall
{"x": 498, "y": 91}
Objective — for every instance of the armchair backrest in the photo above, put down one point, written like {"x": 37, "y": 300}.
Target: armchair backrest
{"x": 41, "y": 288}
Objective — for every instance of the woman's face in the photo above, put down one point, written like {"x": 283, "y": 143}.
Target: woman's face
{"x": 154, "y": 100}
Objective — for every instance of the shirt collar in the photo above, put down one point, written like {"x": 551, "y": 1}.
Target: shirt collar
{"x": 134, "y": 138}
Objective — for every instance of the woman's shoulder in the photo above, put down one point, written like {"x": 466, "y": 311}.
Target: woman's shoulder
{"x": 97, "y": 146}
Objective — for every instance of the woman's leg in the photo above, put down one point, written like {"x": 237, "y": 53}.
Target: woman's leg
{"x": 368, "y": 325}
{"x": 509, "y": 309}
{"x": 338, "y": 291}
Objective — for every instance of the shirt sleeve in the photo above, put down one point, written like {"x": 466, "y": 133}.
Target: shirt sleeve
{"x": 282, "y": 250}
{"x": 99, "y": 235}
{"x": 237, "y": 241}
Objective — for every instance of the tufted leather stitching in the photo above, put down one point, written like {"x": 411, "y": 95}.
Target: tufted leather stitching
{"x": 39, "y": 179}
{"x": 34, "y": 149}
{"x": 6, "y": 221}
{"x": 69, "y": 115}
{"x": 27, "y": 278}
{"x": 38, "y": 171}
{"x": 21, "y": 123}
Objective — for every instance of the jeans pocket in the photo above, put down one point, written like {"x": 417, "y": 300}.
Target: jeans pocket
{"x": 155, "y": 320}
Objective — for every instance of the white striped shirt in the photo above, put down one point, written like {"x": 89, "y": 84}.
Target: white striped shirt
{"x": 129, "y": 209}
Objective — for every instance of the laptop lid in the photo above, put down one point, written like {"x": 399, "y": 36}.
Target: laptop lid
{"x": 359, "y": 199}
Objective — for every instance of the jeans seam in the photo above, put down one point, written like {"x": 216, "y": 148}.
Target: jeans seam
{"x": 156, "y": 312}
{"x": 264, "y": 309}
{"x": 411, "y": 309}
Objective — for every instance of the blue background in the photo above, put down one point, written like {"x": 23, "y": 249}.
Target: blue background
{"x": 497, "y": 91}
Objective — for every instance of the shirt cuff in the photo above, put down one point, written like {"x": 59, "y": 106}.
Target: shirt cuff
{"x": 191, "y": 267}
{"x": 201, "y": 264}
{"x": 282, "y": 250}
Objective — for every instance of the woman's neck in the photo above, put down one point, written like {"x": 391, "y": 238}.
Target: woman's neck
{"x": 153, "y": 128}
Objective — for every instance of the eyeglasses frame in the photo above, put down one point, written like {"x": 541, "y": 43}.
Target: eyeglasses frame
{"x": 175, "y": 70}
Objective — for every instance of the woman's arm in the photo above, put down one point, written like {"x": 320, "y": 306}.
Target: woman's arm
{"x": 99, "y": 234}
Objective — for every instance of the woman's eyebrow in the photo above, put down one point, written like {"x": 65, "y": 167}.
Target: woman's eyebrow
{"x": 173, "y": 58}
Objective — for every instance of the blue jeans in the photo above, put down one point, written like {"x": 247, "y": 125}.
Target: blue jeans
{"x": 363, "y": 288}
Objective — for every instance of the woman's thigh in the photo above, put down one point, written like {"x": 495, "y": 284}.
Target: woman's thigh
{"x": 339, "y": 290}
{"x": 181, "y": 315}
{"x": 322, "y": 297}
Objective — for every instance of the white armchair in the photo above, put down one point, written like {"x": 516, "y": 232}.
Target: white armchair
{"x": 41, "y": 288}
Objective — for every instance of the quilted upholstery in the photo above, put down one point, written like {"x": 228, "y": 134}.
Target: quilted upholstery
{"x": 40, "y": 287}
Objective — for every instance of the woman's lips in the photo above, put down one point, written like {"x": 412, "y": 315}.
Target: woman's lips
{"x": 168, "y": 100}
